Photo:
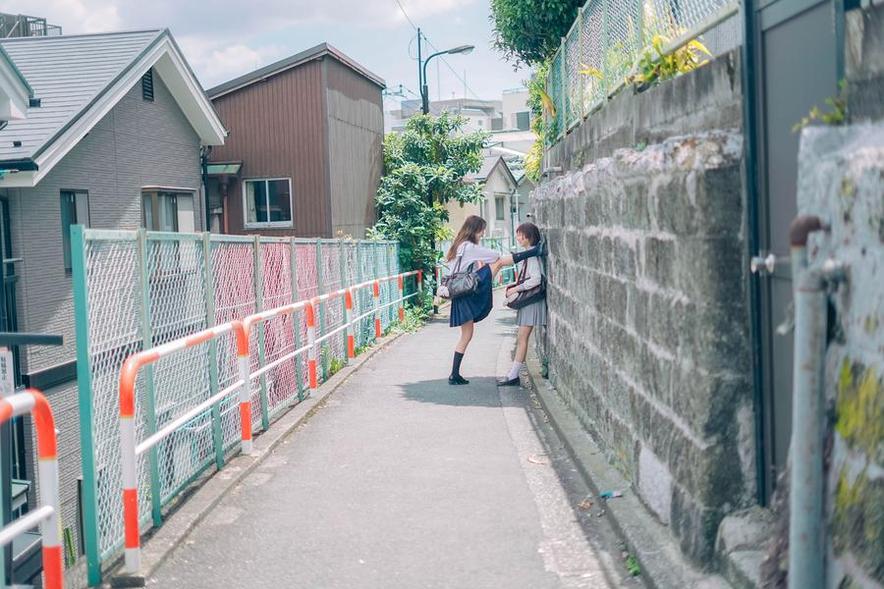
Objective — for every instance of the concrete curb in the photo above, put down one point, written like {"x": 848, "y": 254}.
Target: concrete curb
{"x": 662, "y": 563}
{"x": 193, "y": 508}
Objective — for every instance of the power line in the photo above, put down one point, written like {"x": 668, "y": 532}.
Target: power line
{"x": 430, "y": 43}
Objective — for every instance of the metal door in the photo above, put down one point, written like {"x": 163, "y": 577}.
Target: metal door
{"x": 795, "y": 69}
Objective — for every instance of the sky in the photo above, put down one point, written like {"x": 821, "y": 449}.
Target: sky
{"x": 225, "y": 38}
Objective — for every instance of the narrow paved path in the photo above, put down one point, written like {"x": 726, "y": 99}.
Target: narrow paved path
{"x": 401, "y": 481}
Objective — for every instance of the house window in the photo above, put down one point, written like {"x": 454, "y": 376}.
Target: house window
{"x": 268, "y": 202}
{"x": 523, "y": 121}
{"x": 74, "y": 211}
{"x": 167, "y": 211}
{"x": 147, "y": 85}
{"x": 499, "y": 205}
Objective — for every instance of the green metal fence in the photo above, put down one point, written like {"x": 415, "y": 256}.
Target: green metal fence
{"x": 135, "y": 289}
{"x": 606, "y": 40}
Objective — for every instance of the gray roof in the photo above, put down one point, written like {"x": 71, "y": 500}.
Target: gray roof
{"x": 280, "y": 66}
{"x": 67, "y": 74}
{"x": 488, "y": 166}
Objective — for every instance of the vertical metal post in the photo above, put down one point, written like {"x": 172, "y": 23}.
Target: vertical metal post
{"x": 296, "y": 320}
{"x": 84, "y": 385}
{"x": 357, "y": 304}
{"x": 580, "y": 81}
{"x": 342, "y": 255}
{"x": 563, "y": 82}
{"x": 259, "y": 306}
{"x": 640, "y": 27}
{"x": 214, "y": 385}
{"x": 606, "y": 75}
{"x": 319, "y": 306}
{"x": 150, "y": 410}
{"x": 806, "y": 567}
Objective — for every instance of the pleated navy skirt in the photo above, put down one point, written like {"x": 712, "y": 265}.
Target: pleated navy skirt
{"x": 476, "y": 306}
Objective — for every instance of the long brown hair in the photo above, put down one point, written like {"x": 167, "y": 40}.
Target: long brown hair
{"x": 469, "y": 232}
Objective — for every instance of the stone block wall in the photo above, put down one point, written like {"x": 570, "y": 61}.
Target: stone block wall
{"x": 841, "y": 173}
{"x": 648, "y": 337}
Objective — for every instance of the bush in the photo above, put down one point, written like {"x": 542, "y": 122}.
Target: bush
{"x": 530, "y": 31}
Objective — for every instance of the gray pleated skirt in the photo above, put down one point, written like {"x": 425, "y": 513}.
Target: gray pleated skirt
{"x": 533, "y": 314}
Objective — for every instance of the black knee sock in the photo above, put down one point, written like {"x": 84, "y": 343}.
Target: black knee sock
{"x": 455, "y": 366}
{"x": 528, "y": 253}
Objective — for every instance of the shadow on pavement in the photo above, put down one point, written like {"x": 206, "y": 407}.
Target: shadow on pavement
{"x": 481, "y": 392}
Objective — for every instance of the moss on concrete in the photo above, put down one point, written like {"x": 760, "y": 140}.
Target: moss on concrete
{"x": 860, "y": 409}
{"x": 858, "y": 524}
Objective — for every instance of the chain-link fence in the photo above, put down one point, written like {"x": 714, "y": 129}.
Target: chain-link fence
{"x": 135, "y": 290}
{"x": 609, "y": 36}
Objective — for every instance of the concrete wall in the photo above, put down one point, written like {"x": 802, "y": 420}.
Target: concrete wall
{"x": 842, "y": 181}
{"x": 137, "y": 144}
{"x": 648, "y": 335}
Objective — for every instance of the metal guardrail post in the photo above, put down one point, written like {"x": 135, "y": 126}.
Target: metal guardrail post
{"x": 48, "y": 515}
{"x": 311, "y": 341}
{"x": 214, "y": 385}
{"x": 400, "y": 284}
{"x": 259, "y": 306}
{"x": 84, "y": 384}
{"x": 150, "y": 413}
{"x": 376, "y": 292}
{"x": 296, "y": 324}
{"x": 348, "y": 317}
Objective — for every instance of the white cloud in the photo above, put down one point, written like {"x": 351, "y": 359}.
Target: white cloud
{"x": 216, "y": 64}
{"x": 226, "y": 38}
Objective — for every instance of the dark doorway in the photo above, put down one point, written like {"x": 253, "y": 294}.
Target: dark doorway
{"x": 795, "y": 68}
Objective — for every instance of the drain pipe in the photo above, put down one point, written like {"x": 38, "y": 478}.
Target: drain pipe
{"x": 806, "y": 553}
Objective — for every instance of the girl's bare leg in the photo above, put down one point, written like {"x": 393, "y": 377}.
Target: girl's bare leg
{"x": 522, "y": 343}
{"x": 466, "y": 334}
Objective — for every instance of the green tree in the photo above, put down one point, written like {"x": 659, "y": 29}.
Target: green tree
{"x": 530, "y": 31}
{"x": 424, "y": 169}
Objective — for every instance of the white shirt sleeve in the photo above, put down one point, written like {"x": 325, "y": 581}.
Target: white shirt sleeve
{"x": 474, "y": 253}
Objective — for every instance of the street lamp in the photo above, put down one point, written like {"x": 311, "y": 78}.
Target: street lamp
{"x": 422, "y": 72}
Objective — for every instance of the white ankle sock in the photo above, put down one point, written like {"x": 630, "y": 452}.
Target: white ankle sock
{"x": 514, "y": 371}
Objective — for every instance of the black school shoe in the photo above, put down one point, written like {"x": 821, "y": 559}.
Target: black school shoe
{"x": 502, "y": 382}
{"x": 457, "y": 380}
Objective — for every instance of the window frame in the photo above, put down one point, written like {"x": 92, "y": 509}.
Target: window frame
{"x": 155, "y": 193}
{"x": 267, "y": 224}
{"x": 500, "y": 211}
{"x": 66, "y": 244}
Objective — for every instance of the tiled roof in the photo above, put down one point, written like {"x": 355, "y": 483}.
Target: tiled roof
{"x": 67, "y": 74}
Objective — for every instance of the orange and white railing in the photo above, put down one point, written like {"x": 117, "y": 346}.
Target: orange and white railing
{"x": 47, "y": 515}
{"x": 132, "y": 449}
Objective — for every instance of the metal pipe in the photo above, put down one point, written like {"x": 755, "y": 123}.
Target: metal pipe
{"x": 753, "y": 243}
{"x": 806, "y": 568}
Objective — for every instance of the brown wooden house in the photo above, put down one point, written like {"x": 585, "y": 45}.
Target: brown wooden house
{"x": 304, "y": 153}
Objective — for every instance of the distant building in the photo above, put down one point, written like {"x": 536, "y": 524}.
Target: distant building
{"x": 305, "y": 152}
{"x": 508, "y": 120}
